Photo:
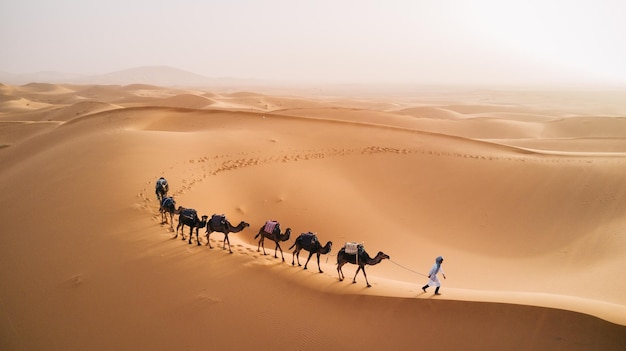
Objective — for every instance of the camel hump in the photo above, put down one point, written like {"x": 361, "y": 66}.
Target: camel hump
{"x": 218, "y": 220}
{"x": 168, "y": 201}
{"x": 308, "y": 239}
{"x": 189, "y": 213}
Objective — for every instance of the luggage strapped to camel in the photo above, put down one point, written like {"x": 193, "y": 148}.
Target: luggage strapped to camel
{"x": 353, "y": 248}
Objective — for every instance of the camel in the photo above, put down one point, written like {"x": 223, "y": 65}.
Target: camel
{"x": 309, "y": 242}
{"x": 161, "y": 188}
{"x": 189, "y": 217}
{"x": 363, "y": 259}
{"x": 168, "y": 205}
{"x": 275, "y": 236}
{"x": 219, "y": 223}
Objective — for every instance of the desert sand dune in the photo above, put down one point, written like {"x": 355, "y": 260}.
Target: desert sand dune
{"x": 103, "y": 93}
{"x": 18, "y": 105}
{"x": 143, "y": 87}
{"x": 76, "y": 110}
{"x": 534, "y": 241}
{"x": 586, "y": 127}
{"x": 186, "y": 101}
{"x": 12, "y": 132}
{"x": 432, "y": 112}
{"x": 45, "y": 88}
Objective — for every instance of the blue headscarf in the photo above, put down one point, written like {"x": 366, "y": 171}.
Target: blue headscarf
{"x": 438, "y": 261}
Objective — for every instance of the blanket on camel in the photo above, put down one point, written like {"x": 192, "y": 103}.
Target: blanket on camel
{"x": 271, "y": 226}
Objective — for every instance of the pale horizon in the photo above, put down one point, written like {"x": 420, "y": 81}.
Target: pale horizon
{"x": 391, "y": 42}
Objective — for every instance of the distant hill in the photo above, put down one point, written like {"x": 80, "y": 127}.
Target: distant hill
{"x": 152, "y": 75}
{"x": 40, "y": 77}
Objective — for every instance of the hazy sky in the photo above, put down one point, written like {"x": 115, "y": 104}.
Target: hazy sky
{"x": 414, "y": 41}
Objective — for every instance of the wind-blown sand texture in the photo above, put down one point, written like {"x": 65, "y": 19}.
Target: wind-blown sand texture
{"x": 522, "y": 192}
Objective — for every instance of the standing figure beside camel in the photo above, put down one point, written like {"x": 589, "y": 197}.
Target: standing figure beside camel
{"x": 432, "y": 275}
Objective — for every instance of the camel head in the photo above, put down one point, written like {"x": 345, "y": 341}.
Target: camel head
{"x": 327, "y": 247}
{"x": 382, "y": 255}
{"x": 287, "y": 234}
{"x": 204, "y": 220}
{"x": 244, "y": 224}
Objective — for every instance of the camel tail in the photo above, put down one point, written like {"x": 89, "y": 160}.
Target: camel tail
{"x": 294, "y": 244}
{"x": 257, "y": 235}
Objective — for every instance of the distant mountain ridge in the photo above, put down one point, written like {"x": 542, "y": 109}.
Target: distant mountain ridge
{"x": 151, "y": 75}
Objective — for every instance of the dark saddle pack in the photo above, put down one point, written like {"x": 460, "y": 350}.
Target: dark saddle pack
{"x": 218, "y": 220}
{"x": 189, "y": 213}
{"x": 308, "y": 239}
{"x": 168, "y": 202}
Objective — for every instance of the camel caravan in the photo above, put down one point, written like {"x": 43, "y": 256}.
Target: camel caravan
{"x": 351, "y": 252}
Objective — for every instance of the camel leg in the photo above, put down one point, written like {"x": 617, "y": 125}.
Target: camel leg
{"x": 365, "y": 275}
{"x": 355, "y": 274}
{"x": 182, "y": 231}
{"x": 261, "y": 243}
{"x": 296, "y": 254}
{"x": 197, "y": 236}
{"x": 190, "y": 234}
{"x": 318, "y": 263}
{"x": 226, "y": 240}
{"x": 176, "y": 236}
{"x": 308, "y": 259}
{"x": 281, "y": 252}
{"x": 339, "y": 271}
{"x": 208, "y": 242}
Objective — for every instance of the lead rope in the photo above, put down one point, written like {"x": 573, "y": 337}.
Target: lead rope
{"x": 408, "y": 269}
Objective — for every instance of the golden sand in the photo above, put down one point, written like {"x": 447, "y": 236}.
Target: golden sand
{"x": 522, "y": 193}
